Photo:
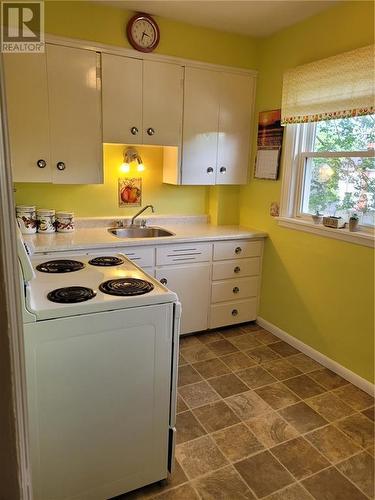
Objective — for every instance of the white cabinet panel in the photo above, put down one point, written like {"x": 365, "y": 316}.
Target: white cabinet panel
{"x": 122, "y": 99}
{"x": 162, "y": 103}
{"x": 142, "y": 256}
{"x": 236, "y": 97}
{"x": 235, "y": 268}
{"x": 237, "y": 249}
{"x": 229, "y": 313}
{"x": 75, "y": 115}
{"x": 200, "y": 126}
{"x": 178, "y": 254}
{"x": 235, "y": 289}
{"x": 192, "y": 285}
{"x": 27, "y": 109}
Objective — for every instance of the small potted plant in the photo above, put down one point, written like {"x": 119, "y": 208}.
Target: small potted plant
{"x": 353, "y": 222}
{"x": 317, "y": 217}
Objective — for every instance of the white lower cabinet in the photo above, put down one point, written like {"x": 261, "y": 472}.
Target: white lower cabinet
{"x": 192, "y": 283}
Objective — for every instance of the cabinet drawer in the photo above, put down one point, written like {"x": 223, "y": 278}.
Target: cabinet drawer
{"x": 179, "y": 254}
{"x": 236, "y": 268}
{"x": 229, "y": 313}
{"x": 142, "y": 256}
{"x": 224, "y": 250}
{"x": 237, "y": 289}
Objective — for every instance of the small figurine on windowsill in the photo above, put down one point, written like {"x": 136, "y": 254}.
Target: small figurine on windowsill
{"x": 317, "y": 217}
{"x": 353, "y": 222}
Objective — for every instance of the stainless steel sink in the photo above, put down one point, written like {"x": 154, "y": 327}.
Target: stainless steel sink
{"x": 139, "y": 232}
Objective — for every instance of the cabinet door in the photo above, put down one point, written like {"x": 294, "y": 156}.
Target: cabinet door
{"x": 122, "y": 99}
{"x": 192, "y": 285}
{"x": 162, "y": 103}
{"x": 200, "y": 126}
{"x": 27, "y": 109}
{"x": 236, "y": 97}
{"x": 75, "y": 115}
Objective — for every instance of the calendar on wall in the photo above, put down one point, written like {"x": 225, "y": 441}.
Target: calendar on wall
{"x": 269, "y": 144}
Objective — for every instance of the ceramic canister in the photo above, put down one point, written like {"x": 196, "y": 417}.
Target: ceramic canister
{"x": 26, "y": 219}
{"x": 64, "y": 222}
{"x": 46, "y": 220}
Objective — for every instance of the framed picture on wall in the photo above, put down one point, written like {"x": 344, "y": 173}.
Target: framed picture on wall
{"x": 129, "y": 192}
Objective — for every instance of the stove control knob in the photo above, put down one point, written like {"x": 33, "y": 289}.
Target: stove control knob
{"x": 164, "y": 281}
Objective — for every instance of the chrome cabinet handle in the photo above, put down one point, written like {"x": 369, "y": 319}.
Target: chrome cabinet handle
{"x": 238, "y": 250}
{"x": 164, "y": 281}
{"x": 41, "y": 163}
{"x": 237, "y": 269}
{"x": 223, "y": 170}
{"x": 60, "y": 165}
{"x": 210, "y": 170}
{"x": 134, "y": 130}
{"x": 234, "y": 312}
{"x": 151, "y": 131}
{"x": 236, "y": 289}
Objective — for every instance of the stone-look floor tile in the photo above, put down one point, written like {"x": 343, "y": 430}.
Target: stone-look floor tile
{"x": 300, "y": 458}
{"x": 256, "y": 377}
{"x": 359, "y": 428}
{"x": 328, "y": 379}
{"x": 187, "y": 375}
{"x": 211, "y": 368}
{"x": 281, "y": 369}
{"x": 262, "y": 354}
{"x": 237, "y": 361}
{"x": 199, "y": 457}
{"x": 188, "y": 427}
{"x": 181, "y": 406}
{"x": 266, "y": 338}
{"x": 228, "y": 385}
{"x": 181, "y": 360}
{"x": 197, "y": 353}
{"x": 207, "y": 338}
{"x": 245, "y": 342}
{"x": 369, "y": 413}
{"x": 360, "y": 470}
{"x": 271, "y": 429}
{"x": 354, "y": 397}
{"x": 263, "y": 473}
{"x": 332, "y": 443}
{"x": 283, "y": 349}
{"x": 251, "y": 327}
{"x": 304, "y": 386}
{"x": 198, "y": 394}
{"x": 224, "y": 484}
{"x": 329, "y": 484}
{"x": 304, "y": 363}
{"x": 184, "y": 492}
{"x": 330, "y": 406}
{"x": 229, "y": 333}
{"x": 187, "y": 341}
{"x": 294, "y": 492}
{"x": 371, "y": 450}
{"x": 277, "y": 395}
{"x": 237, "y": 442}
{"x": 222, "y": 347}
{"x": 247, "y": 405}
{"x": 302, "y": 417}
{"x": 215, "y": 416}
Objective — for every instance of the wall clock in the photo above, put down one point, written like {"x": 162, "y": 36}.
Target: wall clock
{"x": 143, "y": 32}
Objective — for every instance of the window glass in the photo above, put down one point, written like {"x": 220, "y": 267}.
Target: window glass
{"x": 345, "y": 134}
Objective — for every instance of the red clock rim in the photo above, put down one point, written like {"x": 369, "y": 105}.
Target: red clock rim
{"x": 132, "y": 42}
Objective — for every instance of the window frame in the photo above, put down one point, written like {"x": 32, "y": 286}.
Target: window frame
{"x": 298, "y": 145}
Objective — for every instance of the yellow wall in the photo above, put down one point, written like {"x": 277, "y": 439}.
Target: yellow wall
{"x": 318, "y": 289}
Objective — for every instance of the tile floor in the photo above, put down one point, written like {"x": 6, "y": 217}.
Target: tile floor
{"x": 258, "y": 419}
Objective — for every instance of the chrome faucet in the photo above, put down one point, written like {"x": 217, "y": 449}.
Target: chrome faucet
{"x": 141, "y": 212}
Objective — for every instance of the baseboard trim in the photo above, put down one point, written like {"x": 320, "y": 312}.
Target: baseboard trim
{"x": 345, "y": 373}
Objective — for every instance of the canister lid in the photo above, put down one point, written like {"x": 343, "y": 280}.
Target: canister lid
{"x": 45, "y": 211}
{"x": 65, "y": 215}
{"x": 25, "y": 208}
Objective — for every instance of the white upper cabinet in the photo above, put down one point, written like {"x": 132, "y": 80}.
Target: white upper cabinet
{"x": 54, "y": 113}
{"x": 75, "y": 115}
{"x": 28, "y": 120}
{"x": 142, "y": 101}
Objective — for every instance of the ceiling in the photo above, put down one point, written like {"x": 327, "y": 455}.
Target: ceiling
{"x": 248, "y": 17}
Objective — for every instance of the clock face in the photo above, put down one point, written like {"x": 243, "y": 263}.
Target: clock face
{"x": 143, "y": 33}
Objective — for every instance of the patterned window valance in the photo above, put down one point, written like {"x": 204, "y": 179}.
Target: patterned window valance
{"x": 337, "y": 87}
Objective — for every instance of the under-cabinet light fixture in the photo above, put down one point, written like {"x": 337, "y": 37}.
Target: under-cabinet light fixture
{"x": 131, "y": 155}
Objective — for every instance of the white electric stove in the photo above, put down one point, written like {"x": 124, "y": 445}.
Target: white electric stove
{"x": 101, "y": 347}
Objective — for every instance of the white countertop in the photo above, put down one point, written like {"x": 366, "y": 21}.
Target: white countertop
{"x": 84, "y": 238}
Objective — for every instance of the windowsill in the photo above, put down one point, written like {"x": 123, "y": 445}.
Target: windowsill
{"x": 357, "y": 237}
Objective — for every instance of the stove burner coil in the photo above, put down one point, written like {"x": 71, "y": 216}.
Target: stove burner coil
{"x": 71, "y": 294}
{"x": 126, "y": 287}
{"x": 106, "y": 260}
{"x": 60, "y": 266}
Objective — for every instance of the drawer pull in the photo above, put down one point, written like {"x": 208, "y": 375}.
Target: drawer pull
{"x": 234, "y": 312}
{"x": 164, "y": 281}
{"x": 237, "y": 269}
{"x": 238, "y": 250}
{"x": 236, "y": 289}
